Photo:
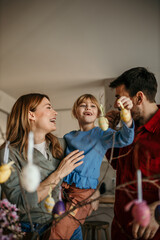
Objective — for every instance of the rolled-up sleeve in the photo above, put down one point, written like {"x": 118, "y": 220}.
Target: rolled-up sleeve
{"x": 124, "y": 136}
{"x": 118, "y": 139}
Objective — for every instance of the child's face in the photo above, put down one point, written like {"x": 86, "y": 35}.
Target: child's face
{"x": 87, "y": 112}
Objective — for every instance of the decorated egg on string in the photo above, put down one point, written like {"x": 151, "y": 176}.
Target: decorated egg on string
{"x": 102, "y": 121}
{"x": 140, "y": 212}
{"x": 58, "y": 209}
{"x": 157, "y": 214}
{"x": 49, "y": 202}
{"x": 5, "y": 172}
{"x": 5, "y": 169}
{"x": 124, "y": 113}
{"x": 30, "y": 177}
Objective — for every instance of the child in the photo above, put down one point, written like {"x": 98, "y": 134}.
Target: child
{"x": 83, "y": 180}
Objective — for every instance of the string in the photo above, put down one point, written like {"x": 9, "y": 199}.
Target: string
{"x": 60, "y": 197}
{"x": 30, "y": 147}
{"x": 139, "y": 185}
{"x": 6, "y": 153}
{"x": 119, "y": 101}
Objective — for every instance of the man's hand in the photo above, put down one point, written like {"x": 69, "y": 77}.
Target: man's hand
{"x": 149, "y": 231}
{"x": 113, "y": 118}
{"x": 126, "y": 102}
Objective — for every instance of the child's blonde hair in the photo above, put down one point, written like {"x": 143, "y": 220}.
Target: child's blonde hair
{"x": 81, "y": 99}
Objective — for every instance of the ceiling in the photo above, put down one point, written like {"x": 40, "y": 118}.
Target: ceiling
{"x": 59, "y": 46}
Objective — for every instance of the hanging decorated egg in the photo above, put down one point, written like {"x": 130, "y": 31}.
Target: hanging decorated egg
{"x": 49, "y": 202}
{"x": 30, "y": 177}
{"x": 5, "y": 171}
{"x": 157, "y": 214}
{"x": 140, "y": 212}
{"x": 58, "y": 209}
{"x": 124, "y": 113}
{"x": 102, "y": 121}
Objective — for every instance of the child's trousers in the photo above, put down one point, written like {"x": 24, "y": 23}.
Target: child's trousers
{"x": 67, "y": 225}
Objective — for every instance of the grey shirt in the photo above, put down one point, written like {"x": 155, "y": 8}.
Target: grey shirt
{"x": 13, "y": 191}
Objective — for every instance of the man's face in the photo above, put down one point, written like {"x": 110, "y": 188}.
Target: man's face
{"x": 121, "y": 91}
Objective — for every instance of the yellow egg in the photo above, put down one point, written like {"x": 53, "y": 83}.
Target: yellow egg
{"x": 49, "y": 204}
{"x": 125, "y": 115}
{"x": 5, "y": 172}
{"x": 103, "y": 123}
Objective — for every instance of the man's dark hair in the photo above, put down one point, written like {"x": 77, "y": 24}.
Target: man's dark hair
{"x": 137, "y": 79}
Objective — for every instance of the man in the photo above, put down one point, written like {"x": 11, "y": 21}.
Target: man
{"x": 144, "y": 154}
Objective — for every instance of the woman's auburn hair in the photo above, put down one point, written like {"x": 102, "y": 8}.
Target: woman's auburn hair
{"x": 18, "y": 124}
{"x": 81, "y": 99}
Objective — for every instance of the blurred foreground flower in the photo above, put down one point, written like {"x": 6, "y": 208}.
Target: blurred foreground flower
{"x": 10, "y": 228}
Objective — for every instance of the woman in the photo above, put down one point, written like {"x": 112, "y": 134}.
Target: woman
{"x": 33, "y": 112}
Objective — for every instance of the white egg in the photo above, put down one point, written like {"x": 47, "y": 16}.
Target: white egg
{"x": 30, "y": 177}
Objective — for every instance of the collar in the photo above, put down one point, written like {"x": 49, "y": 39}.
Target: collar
{"x": 153, "y": 124}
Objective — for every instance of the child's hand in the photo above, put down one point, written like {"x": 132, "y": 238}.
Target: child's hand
{"x": 127, "y": 102}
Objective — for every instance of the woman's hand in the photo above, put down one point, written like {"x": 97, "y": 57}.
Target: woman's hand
{"x": 69, "y": 163}
{"x": 66, "y": 166}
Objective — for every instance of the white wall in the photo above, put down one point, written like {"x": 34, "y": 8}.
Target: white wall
{"x": 53, "y": 45}
{"x": 6, "y": 103}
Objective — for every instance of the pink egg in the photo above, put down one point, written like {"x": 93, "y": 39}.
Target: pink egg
{"x": 141, "y": 213}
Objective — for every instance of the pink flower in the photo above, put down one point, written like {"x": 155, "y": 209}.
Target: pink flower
{"x": 4, "y": 203}
{"x": 13, "y": 216}
{"x": 13, "y": 208}
{"x": 9, "y": 226}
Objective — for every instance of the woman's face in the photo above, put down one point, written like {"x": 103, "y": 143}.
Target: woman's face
{"x": 44, "y": 118}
